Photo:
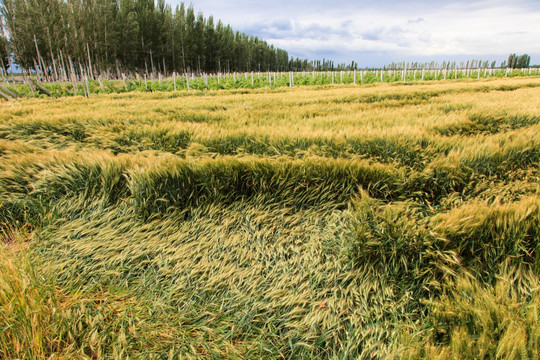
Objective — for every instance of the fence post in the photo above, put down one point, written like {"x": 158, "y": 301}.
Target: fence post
{"x": 87, "y": 87}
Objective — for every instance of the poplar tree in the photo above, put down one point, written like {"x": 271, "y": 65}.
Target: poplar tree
{"x": 92, "y": 37}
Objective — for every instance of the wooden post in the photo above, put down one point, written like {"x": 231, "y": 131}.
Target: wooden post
{"x": 5, "y": 95}
{"x": 101, "y": 83}
{"x": 89, "y": 61}
{"x": 84, "y": 89}
{"x": 174, "y": 79}
{"x": 30, "y": 85}
{"x": 40, "y": 87}
{"x": 10, "y": 93}
{"x": 87, "y": 86}
{"x": 74, "y": 82}
{"x": 187, "y": 81}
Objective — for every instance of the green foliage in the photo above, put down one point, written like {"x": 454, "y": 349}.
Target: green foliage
{"x": 519, "y": 62}
{"x": 474, "y": 321}
{"x": 487, "y": 236}
{"x": 4, "y": 53}
{"x": 129, "y": 35}
{"x": 394, "y": 242}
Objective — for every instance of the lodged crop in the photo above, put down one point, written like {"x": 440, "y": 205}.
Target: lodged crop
{"x": 374, "y": 222}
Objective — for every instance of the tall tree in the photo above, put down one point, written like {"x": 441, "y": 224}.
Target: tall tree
{"x": 523, "y": 61}
{"x": 128, "y": 45}
{"x": 93, "y": 36}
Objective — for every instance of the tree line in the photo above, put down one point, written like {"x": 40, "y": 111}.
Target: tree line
{"x": 518, "y": 61}
{"x": 115, "y": 36}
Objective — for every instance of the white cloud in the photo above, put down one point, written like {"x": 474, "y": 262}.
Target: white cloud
{"x": 398, "y": 29}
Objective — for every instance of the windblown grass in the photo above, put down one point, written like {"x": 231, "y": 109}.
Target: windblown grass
{"x": 315, "y": 223}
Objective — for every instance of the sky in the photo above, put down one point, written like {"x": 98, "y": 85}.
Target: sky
{"x": 376, "y": 33}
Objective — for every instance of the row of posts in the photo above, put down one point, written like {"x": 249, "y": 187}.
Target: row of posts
{"x": 359, "y": 75}
{"x": 273, "y": 77}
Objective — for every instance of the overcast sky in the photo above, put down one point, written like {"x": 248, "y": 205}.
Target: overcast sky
{"x": 375, "y": 33}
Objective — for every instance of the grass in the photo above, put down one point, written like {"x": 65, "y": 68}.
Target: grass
{"x": 337, "y": 222}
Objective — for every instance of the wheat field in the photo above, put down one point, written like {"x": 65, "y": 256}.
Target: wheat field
{"x": 384, "y": 221}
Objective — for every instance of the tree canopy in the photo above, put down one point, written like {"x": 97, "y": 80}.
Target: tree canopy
{"x": 518, "y": 62}
{"x": 128, "y": 35}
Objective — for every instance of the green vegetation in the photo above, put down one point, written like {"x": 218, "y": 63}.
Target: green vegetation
{"x": 319, "y": 222}
{"x": 270, "y": 80}
{"x": 92, "y": 37}
{"x": 521, "y": 61}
